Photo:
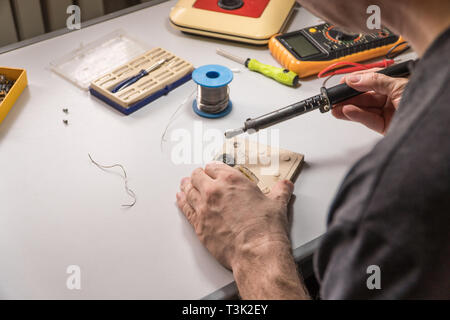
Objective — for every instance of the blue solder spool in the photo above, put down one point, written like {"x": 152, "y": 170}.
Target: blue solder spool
{"x": 213, "y": 100}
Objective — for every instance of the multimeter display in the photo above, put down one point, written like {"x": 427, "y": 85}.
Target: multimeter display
{"x": 302, "y": 46}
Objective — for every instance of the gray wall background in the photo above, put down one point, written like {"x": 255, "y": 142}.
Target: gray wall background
{"x": 25, "y": 19}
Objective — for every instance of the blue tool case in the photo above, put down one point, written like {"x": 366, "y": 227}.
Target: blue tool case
{"x": 142, "y": 80}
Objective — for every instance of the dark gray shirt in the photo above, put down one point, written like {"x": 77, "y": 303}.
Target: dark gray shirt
{"x": 393, "y": 208}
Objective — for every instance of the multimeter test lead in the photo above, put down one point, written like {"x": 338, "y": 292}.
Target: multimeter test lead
{"x": 280, "y": 75}
{"x": 323, "y": 101}
{"x": 144, "y": 72}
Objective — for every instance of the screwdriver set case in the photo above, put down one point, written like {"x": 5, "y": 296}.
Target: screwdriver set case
{"x": 158, "y": 82}
{"x": 99, "y": 66}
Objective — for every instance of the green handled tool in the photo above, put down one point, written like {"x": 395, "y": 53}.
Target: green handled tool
{"x": 281, "y": 75}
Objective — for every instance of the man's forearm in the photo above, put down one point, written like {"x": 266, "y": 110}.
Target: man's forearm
{"x": 268, "y": 271}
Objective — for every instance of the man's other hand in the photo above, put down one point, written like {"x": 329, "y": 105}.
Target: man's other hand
{"x": 376, "y": 107}
{"x": 231, "y": 216}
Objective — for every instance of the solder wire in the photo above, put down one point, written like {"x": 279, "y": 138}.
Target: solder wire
{"x": 182, "y": 104}
{"x": 125, "y": 178}
{"x": 212, "y": 100}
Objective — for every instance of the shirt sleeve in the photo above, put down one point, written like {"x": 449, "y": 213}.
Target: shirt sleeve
{"x": 391, "y": 217}
{"x": 392, "y": 212}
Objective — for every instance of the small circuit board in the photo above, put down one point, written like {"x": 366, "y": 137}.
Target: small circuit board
{"x": 262, "y": 164}
{"x": 150, "y": 87}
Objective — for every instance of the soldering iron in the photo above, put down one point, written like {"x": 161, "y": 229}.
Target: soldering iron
{"x": 323, "y": 101}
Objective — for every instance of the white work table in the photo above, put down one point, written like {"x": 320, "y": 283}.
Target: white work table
{"x": 57, "y": 209}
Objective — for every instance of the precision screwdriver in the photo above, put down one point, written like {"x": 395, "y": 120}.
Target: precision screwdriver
{"x": 323, "y": 101}
{"x": 144, "y": 72}
{"x": 281, "y": 75}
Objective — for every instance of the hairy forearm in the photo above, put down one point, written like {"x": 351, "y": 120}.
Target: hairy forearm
{"x": 268, "y": 271}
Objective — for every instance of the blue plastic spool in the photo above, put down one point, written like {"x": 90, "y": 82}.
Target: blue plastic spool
{"x": 212, "y": 76}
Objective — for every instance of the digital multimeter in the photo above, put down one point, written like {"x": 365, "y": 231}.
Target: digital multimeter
{"x": 308, "y": 51}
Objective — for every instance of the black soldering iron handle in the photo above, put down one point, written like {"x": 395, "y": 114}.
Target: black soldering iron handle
{"x": 285, "y": 113}
{"x": 343, "y": 92}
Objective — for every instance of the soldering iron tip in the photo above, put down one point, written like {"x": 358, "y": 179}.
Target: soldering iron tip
{"x": 233, "y": 133}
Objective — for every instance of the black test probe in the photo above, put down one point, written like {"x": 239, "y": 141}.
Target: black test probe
{"x": 323, "y": 101}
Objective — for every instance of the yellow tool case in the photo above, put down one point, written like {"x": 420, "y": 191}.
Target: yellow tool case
{"x": 19, "y": 76}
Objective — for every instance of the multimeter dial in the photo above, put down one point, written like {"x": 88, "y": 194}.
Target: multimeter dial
{"x": 337, "y": 35}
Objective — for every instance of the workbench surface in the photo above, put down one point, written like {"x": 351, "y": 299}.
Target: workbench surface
{"x": 57, "y": 209}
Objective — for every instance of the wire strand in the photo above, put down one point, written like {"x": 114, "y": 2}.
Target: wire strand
{"x": 391, "y": 54}
{"x": 324, "y": 83}
{"x": 182, "y": 104}
{"x": 125, "y": 178}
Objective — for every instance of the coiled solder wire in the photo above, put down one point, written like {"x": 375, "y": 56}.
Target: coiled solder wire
{"x": 212, "y": 100}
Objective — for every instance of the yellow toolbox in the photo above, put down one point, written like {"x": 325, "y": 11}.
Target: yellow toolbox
{"x": 20, "y": 78}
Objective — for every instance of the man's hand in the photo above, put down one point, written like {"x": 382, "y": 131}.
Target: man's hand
{"x": 245, "y": 230}
{"x": 376, "y": 107}
{"x": 229, "y": 213}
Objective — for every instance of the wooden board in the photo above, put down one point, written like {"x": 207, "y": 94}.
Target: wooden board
{"x": 261, "y": 163}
